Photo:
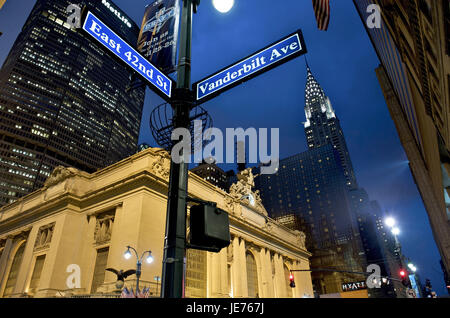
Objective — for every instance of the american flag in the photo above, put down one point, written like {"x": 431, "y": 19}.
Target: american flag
{"x": 144, "y": 294}
{"x": 127, "y": 294}
{"x": 322, "y": 11}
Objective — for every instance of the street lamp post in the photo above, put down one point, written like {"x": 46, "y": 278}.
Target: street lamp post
{"x": 172, "y": 285}
{"x": 128, "y": 255}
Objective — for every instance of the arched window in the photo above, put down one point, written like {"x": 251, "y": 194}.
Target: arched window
{"x": 287, "y": 274}
{"x": 195, "y": 274}
{"x": 252, "y": 276}
{"x": 14, "y": 271}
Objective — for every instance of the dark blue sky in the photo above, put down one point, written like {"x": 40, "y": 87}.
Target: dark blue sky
{"x": 342, "y": 60}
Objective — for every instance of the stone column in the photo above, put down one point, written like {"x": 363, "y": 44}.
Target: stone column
{"x": 239, "y": 269}
{"x": 303, "y": 281}
{"x": 280, "y": 288}
{"x": 87, "y": 261}
{"x": 297, "y": 291}
{"x": 266, "y": 274}
{"x": 218, "y": 274}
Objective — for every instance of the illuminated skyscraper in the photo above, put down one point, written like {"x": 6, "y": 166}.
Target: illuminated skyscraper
{"x": 323, "y": 127}
{"x": 311, "y": 192}
{"x": 63, "y": 99}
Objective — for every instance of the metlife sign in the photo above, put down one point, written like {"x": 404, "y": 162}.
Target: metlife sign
{"x": 275, "y": 54}
{"x": 161, "y": 83}
{"x": 118, "y": 14}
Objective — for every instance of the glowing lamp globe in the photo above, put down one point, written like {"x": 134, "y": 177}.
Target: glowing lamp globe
{"x": 150, "y": 258}
{"x": 127, "y": 254}
{"x": 390, "y": 222}
{"x": 223, "y": 6}
{"x": 396, "y": 231}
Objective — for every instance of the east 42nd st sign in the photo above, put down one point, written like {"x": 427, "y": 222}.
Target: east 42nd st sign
{"x": 160, "y": 83}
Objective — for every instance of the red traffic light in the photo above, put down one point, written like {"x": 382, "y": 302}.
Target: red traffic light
{"x": 402, "y": 273}
{"x": 291, "y": 281}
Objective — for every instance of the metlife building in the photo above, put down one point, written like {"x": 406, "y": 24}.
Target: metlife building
{"x": 63, "y": 99}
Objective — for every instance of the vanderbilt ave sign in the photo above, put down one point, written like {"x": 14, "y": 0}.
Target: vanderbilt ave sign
{"x": 274, "y": 55}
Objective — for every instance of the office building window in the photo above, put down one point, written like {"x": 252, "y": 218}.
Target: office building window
{"x": 195, "y": 274}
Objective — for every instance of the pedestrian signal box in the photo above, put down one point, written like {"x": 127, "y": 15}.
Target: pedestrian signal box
{"x": 209, "y": 228}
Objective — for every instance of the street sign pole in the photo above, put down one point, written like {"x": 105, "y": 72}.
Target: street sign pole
{"x": 173, "y": 278}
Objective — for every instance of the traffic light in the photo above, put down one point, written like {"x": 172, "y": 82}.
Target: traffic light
{"x": 404, "y": 277}
{"x": 291, "y": 281}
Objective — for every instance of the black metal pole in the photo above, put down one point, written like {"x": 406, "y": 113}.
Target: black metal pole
{"x": 138, "y": 276}
{"x": 173, "y": 277}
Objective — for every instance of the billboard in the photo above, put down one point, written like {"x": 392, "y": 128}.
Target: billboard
{"x": 159, "y": 34}
{"x": 415, "y": 288}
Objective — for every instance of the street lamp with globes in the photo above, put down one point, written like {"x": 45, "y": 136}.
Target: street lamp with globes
{"x": 412, "y": 267}
{"x": 149, "y": 260}
{"x": 391, "y": 222}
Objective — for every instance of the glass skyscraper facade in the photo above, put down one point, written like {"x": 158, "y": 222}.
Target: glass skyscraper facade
{"x": 311, "y": 189}
{"x": 63, "y": 99}
{"x": 311, "y": 185}
{"x": 378, "y": 242}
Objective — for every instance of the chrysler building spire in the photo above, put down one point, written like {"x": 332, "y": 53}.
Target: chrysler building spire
{"x": 315, "y": 98}
{"x": 322, "y": 126}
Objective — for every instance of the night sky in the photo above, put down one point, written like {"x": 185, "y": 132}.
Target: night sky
{"x": 343, "y": 61}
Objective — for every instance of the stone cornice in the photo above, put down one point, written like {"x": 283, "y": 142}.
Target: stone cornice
{"x": 59, "y": 203}
{"x": 251, "y": 233}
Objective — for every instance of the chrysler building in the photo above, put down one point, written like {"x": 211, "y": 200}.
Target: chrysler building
{"x": 322, "y": 126}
